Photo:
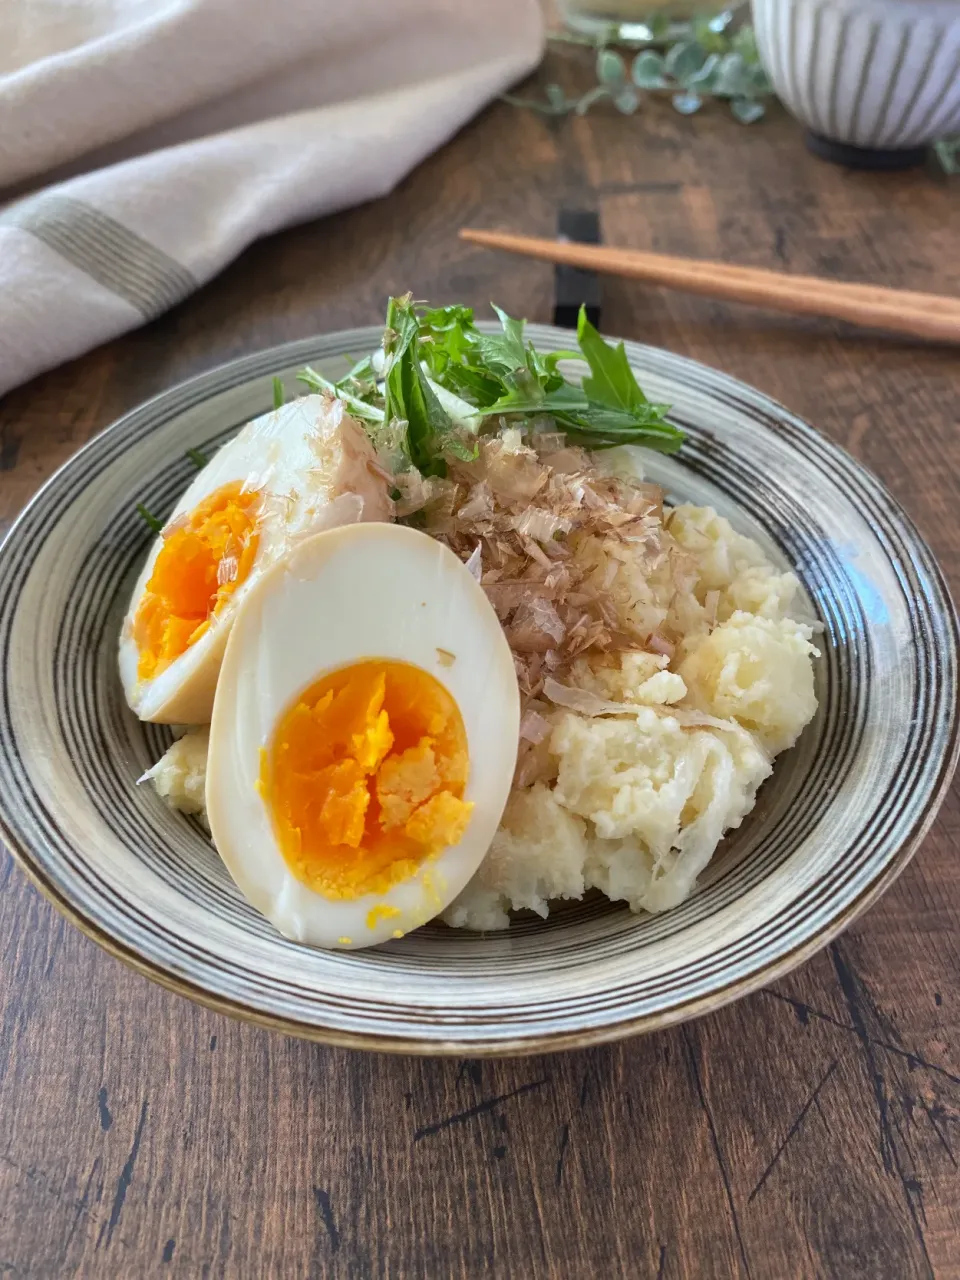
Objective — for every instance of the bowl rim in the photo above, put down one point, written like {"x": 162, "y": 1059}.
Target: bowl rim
{"x": 521, "y": 1046}
{"x": 245, "y": 369}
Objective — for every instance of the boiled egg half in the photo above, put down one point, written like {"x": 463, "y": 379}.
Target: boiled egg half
{"x": 289, "y": 474}
{"x": 364, "y": 736}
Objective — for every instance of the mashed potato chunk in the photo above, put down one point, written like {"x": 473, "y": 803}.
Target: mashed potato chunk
{"x": 180, "y": 775}
{"x": 731, "y": 565}
{"x": 757, "y": 672}
{"x": 659, "y": 797}
{"x": 638, "y": 678}
{"x": 537, "y": 856}
{"x": 639, "y": 806}
{"x": 665, "y": 840}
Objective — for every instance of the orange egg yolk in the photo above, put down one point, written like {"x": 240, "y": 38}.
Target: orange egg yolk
{"x": 204, "y": 558}
{"x": 364, "y": 778}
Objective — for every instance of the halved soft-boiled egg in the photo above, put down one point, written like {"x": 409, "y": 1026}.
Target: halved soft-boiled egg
{"x": 291, "y": 473}
{"x": 364, "y": 736}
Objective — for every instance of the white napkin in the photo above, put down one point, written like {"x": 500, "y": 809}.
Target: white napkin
{"x": 158, "y": 138}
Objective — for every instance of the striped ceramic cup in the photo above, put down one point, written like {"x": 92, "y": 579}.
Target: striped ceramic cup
{"x": 873, "y": 74}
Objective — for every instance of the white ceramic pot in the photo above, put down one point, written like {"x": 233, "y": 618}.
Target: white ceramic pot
{"x": 876, "y": 74}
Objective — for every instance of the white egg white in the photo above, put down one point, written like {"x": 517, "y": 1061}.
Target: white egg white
{"x": 366, "y": 591}
{"x": 311, "y": 462}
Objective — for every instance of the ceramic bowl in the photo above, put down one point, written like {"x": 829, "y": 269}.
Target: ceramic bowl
{"x": 880, "y": 75}
{"x": 833, "y": 827}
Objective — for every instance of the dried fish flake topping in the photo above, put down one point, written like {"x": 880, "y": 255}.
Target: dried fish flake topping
{"x": 576, "y": 561}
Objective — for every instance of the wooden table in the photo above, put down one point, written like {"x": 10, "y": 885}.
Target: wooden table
{"x": 811, "y": 1130}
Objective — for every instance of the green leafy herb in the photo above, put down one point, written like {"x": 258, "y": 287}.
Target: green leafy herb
{"x": 361, "y": 408}
{"x": 445, "y": 380}
{"x": 607, "y": 409}
{"x": 504, "y": 352}
{"x": 279, "y": 395}
{"x": 450, "y": 350}
{"x": 612, "y": 382}
{"x": 151, "y": 521}
{"x": 361, "y": 379}
{"x": 197, "y": 457}
{"x": 410, "y": 397}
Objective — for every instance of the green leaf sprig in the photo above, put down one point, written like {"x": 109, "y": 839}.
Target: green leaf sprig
{"x": 608, "y": 408}
{"x": 708, "y": 62}
{"x": 443, "y": 382}
{"x": 713, "y": 59}
{"x": 409, "y": 396}
{"x": 357, "y": 390}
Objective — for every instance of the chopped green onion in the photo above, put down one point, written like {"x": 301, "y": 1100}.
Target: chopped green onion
{"x": 151, "y": 521}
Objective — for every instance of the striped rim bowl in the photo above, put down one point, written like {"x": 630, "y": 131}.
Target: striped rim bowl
{"x": 839, "y": 819}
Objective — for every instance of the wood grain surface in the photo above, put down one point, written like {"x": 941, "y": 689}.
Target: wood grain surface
{"x": 811, "y": 1130}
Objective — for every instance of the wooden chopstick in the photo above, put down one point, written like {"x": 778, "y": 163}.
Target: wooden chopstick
{"x": 923, "y": 315}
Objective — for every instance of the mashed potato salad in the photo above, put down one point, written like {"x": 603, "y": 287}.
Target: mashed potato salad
{"x": 659, "y": 666}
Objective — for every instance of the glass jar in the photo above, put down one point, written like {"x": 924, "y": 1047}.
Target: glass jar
{"x": 641, "y": 21}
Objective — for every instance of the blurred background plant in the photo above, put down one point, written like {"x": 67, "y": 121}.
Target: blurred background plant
{"x": 691, "y": 54}
{"x": 689, "y": 62}
{"x": 948, "y": 153}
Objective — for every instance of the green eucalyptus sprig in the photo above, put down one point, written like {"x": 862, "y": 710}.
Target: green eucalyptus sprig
{"x": 948, "y": 153}
{"x": 710, "y": 61}
{"x": 706, "y": 63}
